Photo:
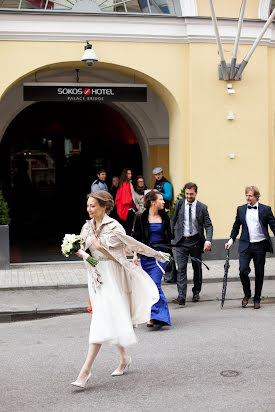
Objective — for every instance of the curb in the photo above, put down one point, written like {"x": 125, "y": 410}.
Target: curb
{"x": 40, "y": 313}
{"x": 10, "y": 315}
{"x": 44, "y": 287}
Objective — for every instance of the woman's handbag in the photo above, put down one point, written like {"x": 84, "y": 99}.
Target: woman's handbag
{"x": 170, "y": 275}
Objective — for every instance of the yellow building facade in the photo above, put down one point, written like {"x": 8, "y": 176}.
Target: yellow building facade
{"x": 177, "y": 58}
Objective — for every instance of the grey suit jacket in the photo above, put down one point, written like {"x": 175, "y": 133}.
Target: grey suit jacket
{"x": 203, "y": 219}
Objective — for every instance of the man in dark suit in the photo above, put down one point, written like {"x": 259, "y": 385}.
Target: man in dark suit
{"x": 190, "y": 219}
{"x": 255, "y": 241}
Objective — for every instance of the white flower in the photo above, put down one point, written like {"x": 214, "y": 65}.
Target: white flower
{"x": 68, "y": 243}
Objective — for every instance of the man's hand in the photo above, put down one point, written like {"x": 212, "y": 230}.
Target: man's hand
{"x": 207, "y": 247}
{"x": 227, "y": 245}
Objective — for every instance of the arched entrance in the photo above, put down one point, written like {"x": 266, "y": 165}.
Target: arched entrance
{"x": 49, "y": 155}
{"x": 141, "y": 130}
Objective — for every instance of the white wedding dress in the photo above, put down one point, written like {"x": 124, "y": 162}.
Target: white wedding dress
{"x": 111, "y": 319}
{"x": 121, "y": 293}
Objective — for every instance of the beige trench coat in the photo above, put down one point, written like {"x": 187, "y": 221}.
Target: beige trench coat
{"x": 142, "y": 291}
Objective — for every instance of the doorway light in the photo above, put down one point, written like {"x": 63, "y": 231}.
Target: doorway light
{"x": 89, "y": 57}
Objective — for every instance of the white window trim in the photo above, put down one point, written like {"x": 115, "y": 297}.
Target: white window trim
{"x": 189, "y": 7}
{"x": 263, "y": 10}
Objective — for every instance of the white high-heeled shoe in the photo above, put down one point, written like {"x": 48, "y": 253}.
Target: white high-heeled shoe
{"x": 127, "y": 365}
{"x": 81, "y": 385}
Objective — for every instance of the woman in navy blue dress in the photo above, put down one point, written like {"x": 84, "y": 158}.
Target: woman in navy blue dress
{"x": 152, "y": 227}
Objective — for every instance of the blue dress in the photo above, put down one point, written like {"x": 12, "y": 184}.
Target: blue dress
{"x": 159, "y": 312}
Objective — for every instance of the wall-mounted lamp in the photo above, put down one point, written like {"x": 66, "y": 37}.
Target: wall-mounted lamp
{"x": 230, "y": 89}
{"x": 230, "y": 115}
{"x": 231, "y": 155}
{"x": 89, "y": 56}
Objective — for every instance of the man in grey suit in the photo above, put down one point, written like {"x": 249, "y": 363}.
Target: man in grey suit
{"x": 190, "y": 219}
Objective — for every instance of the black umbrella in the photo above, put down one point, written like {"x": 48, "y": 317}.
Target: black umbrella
{"x": 226, "y": 268}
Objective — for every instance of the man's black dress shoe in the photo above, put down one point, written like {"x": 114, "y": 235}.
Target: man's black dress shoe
{"x": 179, "y": 302}
{"x": 196, "y": 297}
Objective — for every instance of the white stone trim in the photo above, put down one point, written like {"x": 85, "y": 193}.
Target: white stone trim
{"x": 263, "y": 10}
{"x": 168, "y": 29}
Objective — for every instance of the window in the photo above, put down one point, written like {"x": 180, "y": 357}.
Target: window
{"x": 94, "y": 6}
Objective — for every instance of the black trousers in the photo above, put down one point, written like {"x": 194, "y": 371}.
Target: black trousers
{"x": 257, "y": 252}
{"x": 128, "y": 223}
{"x": 189, "y": 247}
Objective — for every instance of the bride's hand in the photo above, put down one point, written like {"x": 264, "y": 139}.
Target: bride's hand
{"x": 96, "y": 243}
{"x": 79, "y": 254}
{"x": 135, "y": 259}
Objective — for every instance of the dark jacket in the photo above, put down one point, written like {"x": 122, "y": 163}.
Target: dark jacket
{"x": 141, "y": 229}
{"x": 265, "y": 218}
{"x": 203, "y": 219}
{"x": 166, "y": 193}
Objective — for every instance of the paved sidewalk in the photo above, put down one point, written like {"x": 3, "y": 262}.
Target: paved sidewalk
{"x": 33, "y": 291}
{"x": 67, "y": 275}
{"x": 42, "y": 275}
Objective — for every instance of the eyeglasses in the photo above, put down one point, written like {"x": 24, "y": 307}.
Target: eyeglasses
{"x": 140, "y": 181}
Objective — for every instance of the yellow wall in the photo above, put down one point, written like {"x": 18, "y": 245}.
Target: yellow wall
{"x": 159, "y": 156}
{"x": 201, "y": 138}
{"x": 229, "y": 8}
{"x": 221, "y": 180}
{"x": 271, "y": 123}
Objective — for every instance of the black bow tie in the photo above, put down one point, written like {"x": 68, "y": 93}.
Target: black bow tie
{"x": 252, "y": 207}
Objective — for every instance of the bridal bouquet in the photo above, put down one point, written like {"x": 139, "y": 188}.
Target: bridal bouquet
{"x": 71, "y": 244}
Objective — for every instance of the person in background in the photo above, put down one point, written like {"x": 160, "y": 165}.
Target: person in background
{"x": 163, "y": 186}
{"x": 100, "y": 182}
{"x": 140, "y": 187}
{"x": 113, "y": 191}
{"x": 152, "y": 227}
{"x": 114, "y": 187}
{"x": 125, "y": 204}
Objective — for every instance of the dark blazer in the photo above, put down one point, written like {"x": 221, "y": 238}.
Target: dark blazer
{"x": 141, "y": 229}
{"x": 203, "y": 219}
{"x": 265, "y": 218}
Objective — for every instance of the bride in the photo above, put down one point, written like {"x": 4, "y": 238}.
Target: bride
{"x": 121, "y": 292}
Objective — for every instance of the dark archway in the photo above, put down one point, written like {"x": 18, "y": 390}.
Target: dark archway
{"x": 48, "y": 159}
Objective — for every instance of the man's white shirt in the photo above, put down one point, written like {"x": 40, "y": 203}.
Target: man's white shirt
{"x": 195, "y": 229}
{"x": 253, "y": 223}
{"x": 186, "y": 232}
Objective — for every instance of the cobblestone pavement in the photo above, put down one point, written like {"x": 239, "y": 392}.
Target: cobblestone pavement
{"x": 73, "y": 274}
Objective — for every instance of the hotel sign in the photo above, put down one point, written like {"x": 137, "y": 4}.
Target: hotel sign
{"x": 79, "y": 92}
